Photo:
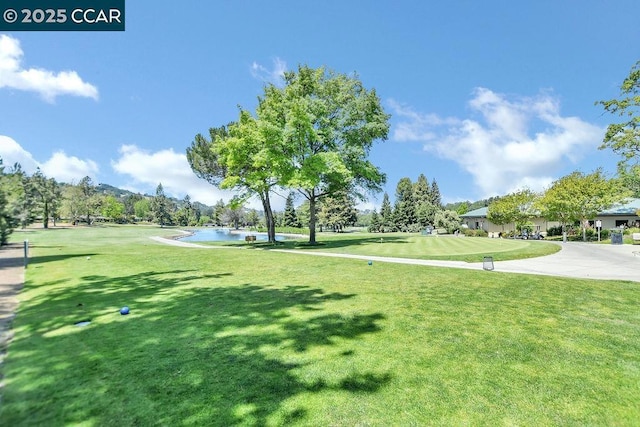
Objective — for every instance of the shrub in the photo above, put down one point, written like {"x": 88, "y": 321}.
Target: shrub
{"x": 475, "y": 233}
{"x": 554, "y": 231}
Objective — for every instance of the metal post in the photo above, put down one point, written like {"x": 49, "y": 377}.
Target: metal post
{"x": 26, "y": 253}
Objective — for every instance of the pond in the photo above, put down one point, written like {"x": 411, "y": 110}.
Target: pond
{"x": 223, "y": 235}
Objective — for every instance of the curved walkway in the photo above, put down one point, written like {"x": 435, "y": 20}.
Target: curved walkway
{"x": 575, "y": 259}
{"x": 11, "y": 281}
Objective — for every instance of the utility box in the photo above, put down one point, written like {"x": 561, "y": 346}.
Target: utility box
{"x": 616, "y": 237}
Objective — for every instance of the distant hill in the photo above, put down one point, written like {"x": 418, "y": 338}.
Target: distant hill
{"x": 117, "y": 192}
{"x": 121, "y": 194}
{"x": 471, "y": 205}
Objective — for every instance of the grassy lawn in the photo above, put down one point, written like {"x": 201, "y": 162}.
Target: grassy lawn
{"x": 404, "y": 245}
{"x": 244, "y": 337}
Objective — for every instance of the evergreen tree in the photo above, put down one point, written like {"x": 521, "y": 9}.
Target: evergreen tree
{"x": 218, "y": 212}
{"x": 386, "y": 215}
{"x": 422, "y": 190}
{"x": 425, "y": 208}
{"x": 375, "y": 222}
{"x": 290, "y": 217}
{"x": 338, "y": 211}
{"x": 405, "y": 208}
{"x": 26, "y": 199}
{"x": 185, "y": 216}
{"x": 9, "y": 192}
{"x": 48, "y": 196}
{"x": 436, "y": 199}
{"x": 160, "y": 206}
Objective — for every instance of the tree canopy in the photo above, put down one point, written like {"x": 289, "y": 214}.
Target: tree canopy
{"x": 326, "y": 123}
{"x": 239, "y": 157}
{"x": 517, "y": 208}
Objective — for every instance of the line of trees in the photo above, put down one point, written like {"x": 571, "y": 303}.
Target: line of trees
{"x": 574, "y": 198}
{"x": 25, "y": 198}
{"x": 417, "y": 206}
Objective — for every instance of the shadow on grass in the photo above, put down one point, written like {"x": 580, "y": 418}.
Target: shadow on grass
{"x": 329, "y": 243}
{"x": 194, "y": 351}
{"x": 52, "y": 258}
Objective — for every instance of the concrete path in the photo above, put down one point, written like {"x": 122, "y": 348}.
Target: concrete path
{"x": 11, "y": 281}
{"x": 579, "y": 260}
{"x": 575, "y": 259}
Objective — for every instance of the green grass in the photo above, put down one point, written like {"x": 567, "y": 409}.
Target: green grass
{"x": 403, "y": 245}
{"x": 242, "y": 337}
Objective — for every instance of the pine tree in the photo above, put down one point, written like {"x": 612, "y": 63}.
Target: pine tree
{"x": 425, "y": 209}
{"x": 436, "y": 199}
{"x": 405, "y": 207}
{"x": 421, "y": 190}
{"x": 374, "y": 227}
{"x": 386, "y": 215}
{"x": 160, "y": 207}
{"x": 290, "y": 217}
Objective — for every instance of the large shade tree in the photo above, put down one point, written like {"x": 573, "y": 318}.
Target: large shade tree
{"x": 239, "y": 157}
{"x": 326, "y": 123}
{"x": 517, "y": 208}
{"x": 624, "y": 137}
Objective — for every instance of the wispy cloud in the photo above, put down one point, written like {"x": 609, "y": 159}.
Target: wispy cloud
{"x": 510, "y": 143}
{"x": 415, "y": 126}
{"x": 47, "y": 83}
{"x": 274, "y": 75}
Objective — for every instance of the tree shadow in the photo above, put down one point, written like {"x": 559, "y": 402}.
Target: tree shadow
{"x": 195, "y": 350}
{"x": 332, "y": 244}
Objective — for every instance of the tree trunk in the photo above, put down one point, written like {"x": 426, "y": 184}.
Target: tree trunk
{"x": 312, "y": 220}
{"x": 268, "y": 217}
{"x": 45, "y": 215}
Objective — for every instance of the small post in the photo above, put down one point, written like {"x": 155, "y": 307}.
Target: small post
{"x": 26, "y": 253}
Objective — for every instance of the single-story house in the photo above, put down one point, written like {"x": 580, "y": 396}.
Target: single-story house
{"x": 620, "y": 215}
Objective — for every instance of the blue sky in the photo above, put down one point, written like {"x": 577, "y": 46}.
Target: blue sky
{"x": 485, "y": 96}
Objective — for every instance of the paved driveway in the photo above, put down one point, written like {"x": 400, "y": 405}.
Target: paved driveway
{"x": 583, "y": 260}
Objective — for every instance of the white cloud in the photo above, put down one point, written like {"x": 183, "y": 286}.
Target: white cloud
{"x": 69, "y": 169}
{"x": 148, "y": 169}
{"x": 275, "y": 75}
{"x": 514, "y": 143}
{"x": 47, "y": 83}
{"x": 60, "y": 166}
{"x": 11, "y": 152}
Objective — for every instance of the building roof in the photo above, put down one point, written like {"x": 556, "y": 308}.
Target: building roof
{"x": 476, "y": 213}
{"x": 629, "y": 207}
